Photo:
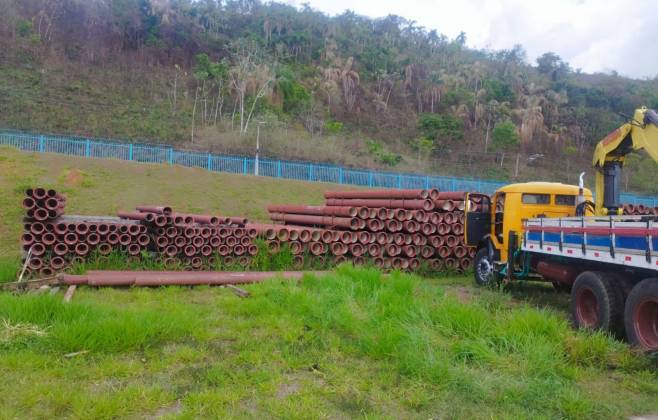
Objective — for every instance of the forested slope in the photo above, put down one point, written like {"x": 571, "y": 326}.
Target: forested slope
{"x": 345, "y": 89}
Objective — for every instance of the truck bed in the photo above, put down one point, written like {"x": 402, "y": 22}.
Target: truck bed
{"x": 622, "y": 240}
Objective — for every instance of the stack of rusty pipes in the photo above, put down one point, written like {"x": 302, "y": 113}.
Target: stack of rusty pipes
{"x": 55, "y": 241}
{"x": 639, "y": 210}
{"x": 394, "y": 228}
{"x": 194, "y": 240}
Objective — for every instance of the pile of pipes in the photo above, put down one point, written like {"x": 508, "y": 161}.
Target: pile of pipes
{"x": 639, "y": 210}
{"x": 53, "y": 241}
{"x": 194, "y": 240}
{"x": 393, "y": 228}
{"x": 398, "y": 229}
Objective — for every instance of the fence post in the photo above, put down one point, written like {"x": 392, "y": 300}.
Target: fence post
{"x": 42, "y": 143}
{"x": 87, "y": 148}
{"x": 209, "y": 165}
{"x": 370, "y": 179}
{"x": 170, "y": 156}
{"x": 130, "y": 152}
{"x": 310, "y": 172}
{"x": 399, "y": 182}
{"x": 340, "y": 175}
{"x": 453, "y": 185}
{"x": 244, "y": 166}
{"x": 427, "y": 182}
{"x": 278, "y": 169}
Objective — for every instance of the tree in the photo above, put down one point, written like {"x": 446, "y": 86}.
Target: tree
{"x": 249, "y": 73}
{"x": 505, "y": 136}
{"x": 440, "y": 128}
{"x": 552, "y": 65}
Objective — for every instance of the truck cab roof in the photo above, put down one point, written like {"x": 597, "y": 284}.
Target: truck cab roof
{"x": 543, "y": 188}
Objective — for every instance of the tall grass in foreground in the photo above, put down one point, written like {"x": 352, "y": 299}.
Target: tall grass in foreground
{"x": 484, "y": 350}
{"x": 372, "y": 339}
{"x": 97, "y": 328}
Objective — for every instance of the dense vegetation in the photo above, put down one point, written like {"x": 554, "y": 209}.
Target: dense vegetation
{"x": 349, "y": 89}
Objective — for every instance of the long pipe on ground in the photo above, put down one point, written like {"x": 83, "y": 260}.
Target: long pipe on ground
{"x": 182, "y": 278}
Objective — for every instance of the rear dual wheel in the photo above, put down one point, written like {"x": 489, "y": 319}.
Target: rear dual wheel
{"x": 597, "y": 302}
{"x": 641, "y": 315}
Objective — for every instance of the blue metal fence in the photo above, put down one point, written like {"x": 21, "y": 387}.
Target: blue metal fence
{"x": 303, "y": 171}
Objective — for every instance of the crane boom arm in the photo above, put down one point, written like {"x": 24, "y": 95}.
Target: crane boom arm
{"x": 610, "y": 153}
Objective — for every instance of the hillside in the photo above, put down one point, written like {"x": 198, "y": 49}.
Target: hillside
{"x": 347, "y": 89}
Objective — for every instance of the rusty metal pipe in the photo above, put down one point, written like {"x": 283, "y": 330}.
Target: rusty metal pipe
{"x": 165, "y": 210}
{"x": 375, "y": 225}
{"x": 410, "y": 204}
{"x": 188, "y": 278}
{"x": 380, "y": 193}
{"x": 81, "y": 249}
{"x": 338, "y": 248}
{"x": 134, "y": 249}
{"x": 104, "y": 248}
{"x": 314, "y": 210}
{"x": 28, "y": 203}
{"x": 145, "y": 217}
{"x": 41, "y": 214}
{"x": 125, "y": 239}
{"x": 57, "y": 263}
{"x": 343, "y": 222}
{"x": 427, "y": 252}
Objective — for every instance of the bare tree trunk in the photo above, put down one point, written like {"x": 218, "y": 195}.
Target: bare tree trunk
{"x": 235, "y": 105}
{"x": 205, "y": 103}
{"x": 173, "y": 111}
{"x": 486, "y": 136}
{"x": 242, "y": 94}
{"x": 260, "y": 94}
{"x": 196, "y": 96}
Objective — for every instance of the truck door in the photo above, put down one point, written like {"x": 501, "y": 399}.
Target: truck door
{"x": 477, "y": 223}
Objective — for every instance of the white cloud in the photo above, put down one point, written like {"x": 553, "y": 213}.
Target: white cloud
{"x": 594, "y": 35}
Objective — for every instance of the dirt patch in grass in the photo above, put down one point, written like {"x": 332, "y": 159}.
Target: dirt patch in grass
{"x": 73, "y": 178}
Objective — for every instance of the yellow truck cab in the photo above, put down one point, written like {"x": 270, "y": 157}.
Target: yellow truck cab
{"x": 490, "y": 226}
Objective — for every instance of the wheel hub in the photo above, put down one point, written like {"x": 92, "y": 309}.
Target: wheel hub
{"x": 587, "y": 308}
{"x": 485, "y": 269}
{"x": 645, "y": 322}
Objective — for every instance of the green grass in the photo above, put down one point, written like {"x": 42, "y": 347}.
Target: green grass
{"x": 353, "y": 343}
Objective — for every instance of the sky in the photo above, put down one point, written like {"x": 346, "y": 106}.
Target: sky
{"x": 591, "y": 35}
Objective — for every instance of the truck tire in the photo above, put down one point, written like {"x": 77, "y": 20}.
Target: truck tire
{"x": 641, "y": 315}
{"x": 597, "y": 303}
{"x": 483, "y": 269}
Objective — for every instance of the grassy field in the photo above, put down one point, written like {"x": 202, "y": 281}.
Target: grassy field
{"x": 353, "y": 343}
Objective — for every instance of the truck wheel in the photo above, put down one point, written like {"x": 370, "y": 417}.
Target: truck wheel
{"x": 641, "y": 315}
{"x": 597, "y": 303}
{"x": 483, "y": 268}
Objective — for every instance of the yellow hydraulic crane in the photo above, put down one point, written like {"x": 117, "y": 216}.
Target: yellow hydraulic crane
{"x": 639, "y": 133}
